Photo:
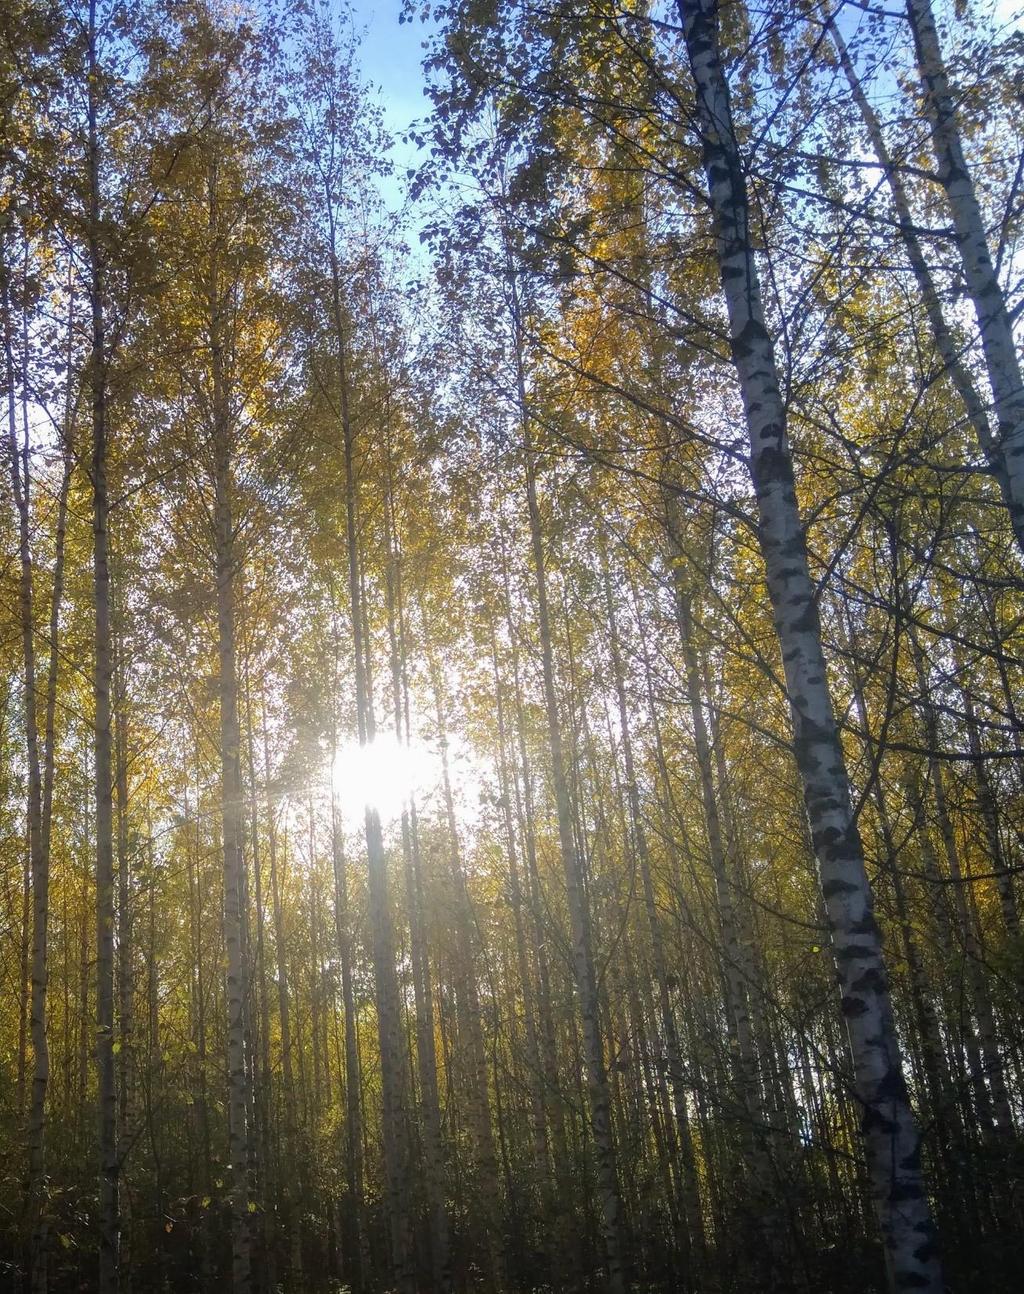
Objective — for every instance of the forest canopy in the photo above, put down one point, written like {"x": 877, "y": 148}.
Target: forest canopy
{"x": 511, "y": 773}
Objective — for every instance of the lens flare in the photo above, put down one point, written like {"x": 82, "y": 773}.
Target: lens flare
{"x": 382, "y": 775}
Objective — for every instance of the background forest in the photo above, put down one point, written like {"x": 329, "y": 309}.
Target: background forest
{"x": 511, "y": 765}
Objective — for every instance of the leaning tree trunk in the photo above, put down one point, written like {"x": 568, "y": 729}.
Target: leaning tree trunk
{"x": 945, "y": 342}
{"x": 1002, "y": 364}
{"x": 891, "y": 1137}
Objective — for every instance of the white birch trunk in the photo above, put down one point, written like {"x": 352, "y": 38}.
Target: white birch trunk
{"x": 890, "y": 1134}
{"x": 996, "y": 331}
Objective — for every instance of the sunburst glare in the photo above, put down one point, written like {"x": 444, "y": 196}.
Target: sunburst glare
{"x": 382, "y": 775}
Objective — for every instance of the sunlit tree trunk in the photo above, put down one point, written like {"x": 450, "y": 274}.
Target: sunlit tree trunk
{"x": 1002, "y": 363}
{"x": 426, "y": 1048}
{"x": 397, "y": 1156}
{"x": 890, "y": 1135}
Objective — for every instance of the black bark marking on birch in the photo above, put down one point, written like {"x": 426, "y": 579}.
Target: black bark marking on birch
{"x": 826, "y": 788}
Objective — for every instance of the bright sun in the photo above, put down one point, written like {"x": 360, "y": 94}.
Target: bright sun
{"x": 382, "y": 775}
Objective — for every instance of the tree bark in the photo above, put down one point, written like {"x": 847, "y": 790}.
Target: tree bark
{"x": 109, "y": 1228}
{"x": 890, "y": 1134}
{"x": 232, "y": 796}
{"x": 38, "y": 853}
{"x": 467, "y": 997}
{"x": 583, "y": 961}
{"x": 426, "y": 1049}
{"x": 1002, "y": 363}
{"x": 687, "y": 1169}
{"x": 397, "y": 1157}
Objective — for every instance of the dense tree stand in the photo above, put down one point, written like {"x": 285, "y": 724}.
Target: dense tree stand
{"x": 511, "y": 647}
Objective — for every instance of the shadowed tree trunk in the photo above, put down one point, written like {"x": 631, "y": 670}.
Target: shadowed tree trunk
{"x": 103, "y": 665}
{"x": 232, "y": 793}
{"x": 397, "y": 1152}
{"x": 583, "y": 961}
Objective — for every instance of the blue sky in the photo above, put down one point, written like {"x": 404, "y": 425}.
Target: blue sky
{"x": 390, "y": 55}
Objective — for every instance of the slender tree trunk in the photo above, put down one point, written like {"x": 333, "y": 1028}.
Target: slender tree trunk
{"x": 24, "y": 976}
{"x": 990, "y": 1062}
{"x": 583, "y": 962}
{"x": 523, "y": 967}
{"x": 471, "y": 1027}
{"x": 294, "y": 1151}
{"x": 109, "y": 1168}
{"x": 891, "y": 1137}
{"x": 197, "y": 1003}
{"x": 397, "y": 1151}
{"x": 734, "y": 956}
{"x": 232, "y": 795}
{"x": 84, "y": 968}
{"x": 426, "y": 1050}
{"x": 933, "y": 1061}
{"x": 567, "y": 1251}
{"x": 38, "y": 854}
{"x": 262, "y": 1085}
{"x": 687, "y": 1169}
{"x": 357, "y": 1262}
{"x": 154, "y": 1066}
{"x": 125, "y": 954}
{"x": 1002, "y": 363}
{"x": 945, "y": 342}
{"x": 989, "y": 809}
